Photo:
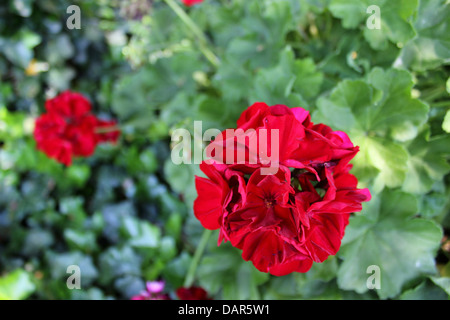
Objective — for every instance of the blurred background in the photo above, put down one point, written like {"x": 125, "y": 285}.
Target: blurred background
{"x": 124, "y": 215}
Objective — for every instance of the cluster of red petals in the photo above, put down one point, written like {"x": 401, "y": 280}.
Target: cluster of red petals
{"x": 190, "y": 3}
{"x": 285, "y": 221}
{"x": 192, "y": 293}
{"x": 68, "y": 129}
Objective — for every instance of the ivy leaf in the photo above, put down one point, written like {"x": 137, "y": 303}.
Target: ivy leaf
{"x": 119, "y": 262}
{"x": 60, "y": 262}
{"x": 141, "y": 234}
{"x": 80, "y": 240}
{"x": 387, "y": 235}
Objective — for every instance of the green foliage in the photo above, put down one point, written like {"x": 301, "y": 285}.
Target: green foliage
{"x": 387, "y": 235}
{"x": 125, "y": 214}
{"x": 16, "y": 285}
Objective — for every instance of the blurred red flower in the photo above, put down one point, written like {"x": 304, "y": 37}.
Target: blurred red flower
{"x": 190, "y": 3}
{"x": 192, "y": 293}
{"x": 68, "y": 129}
{"x": 282, "y": 222}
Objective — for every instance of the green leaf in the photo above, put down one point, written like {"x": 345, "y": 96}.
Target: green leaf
{"x": 427, "y": 162}
{"x": 316, "y": 283}
{"x": 397, "y": 109}
{"x": 275, "y": 85}
{"x": 389, "y": 160}
{"x": 214, "y": 113}
{"x": 79, "y": 174}
{"x": 443, "y": 282}
{"x": 16, "y": 285}
{"x": 176, "y": 270}
{"x": 23, "y": 7}
{"x": 19, "y": 49}
{"x": 349, "y": 106}
{"x": 265, "y": 25}
{"x": 432, "y": 204}
{"x": 182, "y": 179}
{"x": 118, "y": 262}
{"x": 11, "y": 124}
{"x": 382, "y": 104}
{"x": 233, "y": 80}
{"x": 80, "y": 240}
{"x": 72, "y": 207}
{"x": 138, "y": 95}
{"x": 431, "y": 47}
{"x": 394, "y": 16}
{"x": 387, "y": 235}
{"x": 61, "y": 261}
{"x": 374, "y": 112}
{"x": 37, "y": 241}
{"x": 142, "y": 234}
{"x": 224, "y": 269}
{"x": 425, "y": 291}
{"x": 446, "y": 122}
{"x": 351, "y": 12}
{"x": 129, "y": 285}
{"x": 309, "y": 80}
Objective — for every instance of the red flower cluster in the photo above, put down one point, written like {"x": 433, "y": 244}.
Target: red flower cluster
{"x": 192, "y": 293}
{"x": 68, "y": 129}
{"x": 190, "y": 3}
{"x": 283, "y": 222}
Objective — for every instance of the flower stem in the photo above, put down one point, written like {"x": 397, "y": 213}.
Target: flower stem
{"x": 196, "y": 259}
{"x": 196, "y": 31}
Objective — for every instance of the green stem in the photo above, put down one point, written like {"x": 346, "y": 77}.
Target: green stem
{"x": 196, "y": 259}
{"x": 196, "y": 31}
{"x": 441, "y": 104}
{"x": 432, "y": 94}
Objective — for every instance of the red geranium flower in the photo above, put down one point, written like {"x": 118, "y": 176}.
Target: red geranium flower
{"x": 285, "y": 221}
{"x": 68, "y": 129}
{"x": 190, "y": 3}
{"x": 192, "y": 293}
